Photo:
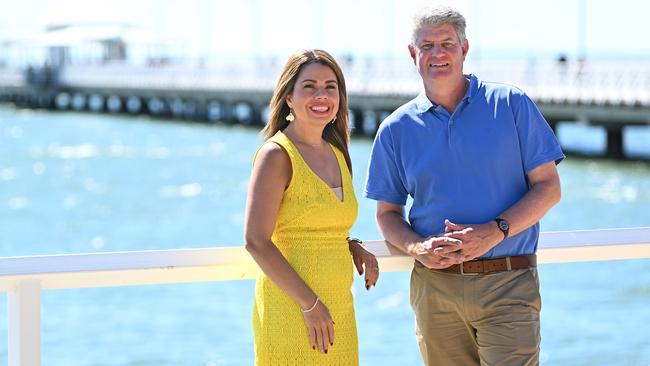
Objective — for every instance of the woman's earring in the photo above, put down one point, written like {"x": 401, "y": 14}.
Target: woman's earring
{"x": 290, "y": 117}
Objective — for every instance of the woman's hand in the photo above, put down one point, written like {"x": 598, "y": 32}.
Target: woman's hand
{"x": 364, "y": 261}
{"x": 320, "y": 326}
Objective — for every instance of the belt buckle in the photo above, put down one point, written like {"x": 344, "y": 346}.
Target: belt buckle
{"x": 462, "y": 271}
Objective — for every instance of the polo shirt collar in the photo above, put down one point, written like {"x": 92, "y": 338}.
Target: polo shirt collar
{"x": 423, "y": 104}
{"x": 473, "y": 88}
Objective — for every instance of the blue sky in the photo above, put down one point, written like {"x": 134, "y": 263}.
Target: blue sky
{"x": 496, "y": 28}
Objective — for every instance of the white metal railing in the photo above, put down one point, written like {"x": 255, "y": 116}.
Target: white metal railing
{"x": 25, "y": 277}
{"x": 618, "y": 83}
{"x": 601, "y": 82}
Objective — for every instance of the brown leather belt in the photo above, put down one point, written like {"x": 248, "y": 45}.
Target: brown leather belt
{"x": 480, "y": 266}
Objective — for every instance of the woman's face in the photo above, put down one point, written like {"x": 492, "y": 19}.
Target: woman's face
{"x": 315, "y": 97}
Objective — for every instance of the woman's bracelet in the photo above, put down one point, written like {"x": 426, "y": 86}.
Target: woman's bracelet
{"x": 355, "y": 240}
{"x": 312, "y": 307}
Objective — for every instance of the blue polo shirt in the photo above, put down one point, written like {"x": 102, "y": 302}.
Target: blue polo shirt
{"x": 469, "y": 166}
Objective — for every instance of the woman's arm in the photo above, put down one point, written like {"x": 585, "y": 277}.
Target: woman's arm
{"x": 270, "y": 177}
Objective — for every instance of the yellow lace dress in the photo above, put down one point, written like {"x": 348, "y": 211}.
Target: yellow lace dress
{"x": 310, "y": 231}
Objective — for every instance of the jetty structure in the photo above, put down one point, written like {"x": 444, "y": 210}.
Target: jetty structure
{"x": 93, "y": 57}
{"x": 611, "y": 95}
{"x": 108, "y": 65}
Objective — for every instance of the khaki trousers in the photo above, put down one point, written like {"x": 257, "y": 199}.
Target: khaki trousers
{"x": 486, "y": 319}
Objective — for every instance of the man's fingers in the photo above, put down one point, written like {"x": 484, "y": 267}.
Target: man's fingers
{"x": 447, "y": 245}
{"x": 453, "y": 258}
{"x": 449, "y": 256}
{"x": 452, "y": 226}
{"x": 446, "y": 249}
{"x": 453, "y": 230}
{"x": 460, "y": 235}
{"x": 445, "y": 239}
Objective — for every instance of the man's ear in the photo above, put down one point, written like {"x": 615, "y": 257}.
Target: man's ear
{"x": 412, "y": 52}
{"x": 465, "y": 48}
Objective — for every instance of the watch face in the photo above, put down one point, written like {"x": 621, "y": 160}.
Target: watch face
{"x": 503, "y": 225}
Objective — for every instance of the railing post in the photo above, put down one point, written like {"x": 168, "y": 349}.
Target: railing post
{"x": 25, "y": 324}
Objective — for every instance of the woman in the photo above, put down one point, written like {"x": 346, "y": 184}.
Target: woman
{"x": 300, "y": 207}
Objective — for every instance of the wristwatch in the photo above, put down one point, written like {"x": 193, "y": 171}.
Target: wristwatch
{"x": 503, "y": 225}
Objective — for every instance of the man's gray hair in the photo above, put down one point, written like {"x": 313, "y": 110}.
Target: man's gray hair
{"x": 438, "y": 15}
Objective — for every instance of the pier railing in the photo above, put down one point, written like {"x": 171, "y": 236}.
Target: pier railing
{"x": 25, "y": 277}
{"x": 624, "y": 83}
{"x": 610, "y": 94}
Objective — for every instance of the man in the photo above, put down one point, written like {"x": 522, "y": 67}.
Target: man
{"x": 478, "y": 160}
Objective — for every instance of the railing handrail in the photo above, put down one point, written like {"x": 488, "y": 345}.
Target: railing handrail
{"x": 233, "y": 263}
{"x": 24, "y": 278}
{"x": 619, "y": 82}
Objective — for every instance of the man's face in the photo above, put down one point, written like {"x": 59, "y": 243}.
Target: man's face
{"x": 438, "y": 53}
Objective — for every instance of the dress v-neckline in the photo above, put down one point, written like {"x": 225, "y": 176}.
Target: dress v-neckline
{"x": 338, "y": 162}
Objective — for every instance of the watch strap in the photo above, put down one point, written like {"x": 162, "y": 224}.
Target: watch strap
{"x": 504, "y": 226}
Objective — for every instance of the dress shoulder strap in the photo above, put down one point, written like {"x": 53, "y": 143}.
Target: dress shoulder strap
{"x": 282, "y": 140}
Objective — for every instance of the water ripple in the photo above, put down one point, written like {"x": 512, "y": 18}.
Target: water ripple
{"x": 7, "y": 174}
{"x": 186, "y": 190}
{"x": 38, "y": 168}
{"x": 614, "y": 192}
{"x": 82, "y": 151}
{"x": 17, "y": 203}
{"x": 390, "y": 301}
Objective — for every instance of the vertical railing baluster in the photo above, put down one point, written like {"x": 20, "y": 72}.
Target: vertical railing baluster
{"x": 25, "y": 324}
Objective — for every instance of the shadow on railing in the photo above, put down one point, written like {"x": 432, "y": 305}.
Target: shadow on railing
{"x": 25, "y": 277}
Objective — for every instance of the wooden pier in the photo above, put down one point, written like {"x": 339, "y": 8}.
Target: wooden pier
{"x": 612, "y": 95}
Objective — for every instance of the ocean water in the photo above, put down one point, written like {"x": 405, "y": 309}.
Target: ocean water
{"x": 79, "y": 183}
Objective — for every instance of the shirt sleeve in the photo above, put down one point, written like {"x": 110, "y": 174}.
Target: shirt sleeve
{"x": 384, "y": 176}
{"x": 538, "y": 143}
